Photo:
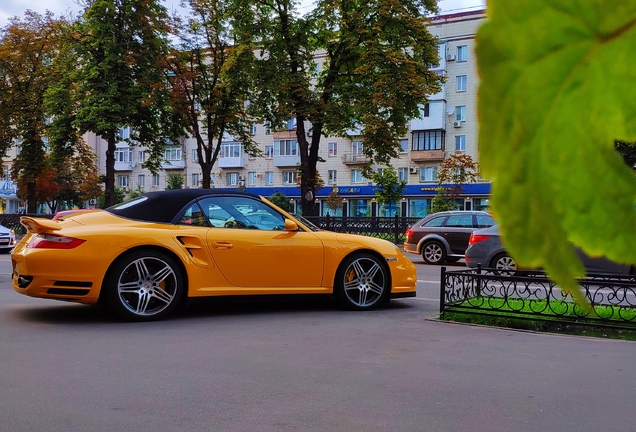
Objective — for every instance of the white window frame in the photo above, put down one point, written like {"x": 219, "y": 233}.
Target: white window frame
{"x": 195, "y": 180}
{"x": 403, "y": 174}
{"x": 333, "y": 149}
{"x": 289, "y": 177}
{"x": 460, "y": 142}
{"x": 269, "y": 151}
{"x": 462, "y": 53}
{"x": 124, "y": 133}
{"x": 357, "y": 177}
{"x": 460, "y": 113}
{"x": 231, "y": 150}
{"x": 123, "y": 181}
{"x": 195, "y": 155}
{"x": 251, "y": 178}
{"x": 332, "y": 177}
{"x": 428, "y": 174}
{"x": 141, "y": 180}
{"x": 142, "y": 156}
{"x": 287, "y": 147}
{"x": 357, "y": 148}
{"x": 155, "y": 180}
{"x": 462, "y": 82}
{"x": 404, "y": 146}
{"x": 123, "y": 154}
{"x": 173, "y": 153}
{"x": 231, "y": 179}
{"x": 269, "y": 177}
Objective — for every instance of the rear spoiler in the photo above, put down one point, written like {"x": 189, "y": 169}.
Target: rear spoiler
{"x": 39, "y": 225}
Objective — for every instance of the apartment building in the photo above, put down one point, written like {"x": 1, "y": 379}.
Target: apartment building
{"x": 446, "y": 124}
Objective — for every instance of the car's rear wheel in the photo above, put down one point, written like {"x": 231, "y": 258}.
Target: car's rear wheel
{"x": 145, "y": 285}
{"x": 362, "y": 282}
{"x": 433, "y": 253}
{"x": 504, "y": 263}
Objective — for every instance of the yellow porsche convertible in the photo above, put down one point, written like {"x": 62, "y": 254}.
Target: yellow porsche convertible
{"x": 145, "y": 257}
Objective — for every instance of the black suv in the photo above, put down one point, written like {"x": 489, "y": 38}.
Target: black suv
{"x": 444, "y": 236}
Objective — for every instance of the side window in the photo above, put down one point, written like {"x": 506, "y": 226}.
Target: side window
{"x": 241, "y": 212}
{"x": 485, "y": 221}
{"x": 460, "y": 221}
{"x": 193, "y": 216}
{"x": 435, "y": 222}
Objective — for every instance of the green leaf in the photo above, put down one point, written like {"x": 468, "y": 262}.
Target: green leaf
{"x": 556, "y": 91}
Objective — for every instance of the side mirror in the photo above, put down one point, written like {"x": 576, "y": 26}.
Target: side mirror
{"x": 290, "y": 225}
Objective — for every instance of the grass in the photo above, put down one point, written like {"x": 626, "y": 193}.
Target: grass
{"x": 559, "y": 318}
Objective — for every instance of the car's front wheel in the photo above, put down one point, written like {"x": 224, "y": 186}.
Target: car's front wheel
{"x": 145, "y": 285}
{"x": 362, "y": 282}
{"x": 503, "y": 262}
{"x": 433, "y": 252}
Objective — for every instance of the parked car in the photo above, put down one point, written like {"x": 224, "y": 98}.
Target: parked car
{"x": 486, "y": 250}
{"x": 147, "y": 256}
{"x": 444, "y": 236}
{"x": 7, "y": 239}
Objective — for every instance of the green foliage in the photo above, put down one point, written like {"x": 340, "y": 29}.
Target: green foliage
{"x": 389, "y": 188}
{"x": 136, "y": 193}
{"x": 174, "y": 181}
{"x": 120, "y": 196}
{"x": 555, "y": 95}
{"x": 281, "y": 200}
{"x": 442, "y": 201}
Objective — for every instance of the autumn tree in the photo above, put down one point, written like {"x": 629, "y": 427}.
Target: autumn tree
{"x": 389, "y": 188}
{"x": 115, "y": 79}
{"x": 344, "y": 66}
{"x": 208, "y": 73}
{"x": 453, "y": 173}
{"x": 27, "y": 47}
{"x": 47, "y": 189}
{"x": 77, "y": 176}
{"x": 334, "y": 201}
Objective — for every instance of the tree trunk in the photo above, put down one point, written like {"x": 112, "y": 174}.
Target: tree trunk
{"x": 308, "y": 162}
{"x": 109, "y": 186}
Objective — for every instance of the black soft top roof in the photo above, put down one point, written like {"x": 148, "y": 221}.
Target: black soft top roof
{"x": 163, "y": 206}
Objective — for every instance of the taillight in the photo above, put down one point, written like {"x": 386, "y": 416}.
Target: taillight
{"x": 477, "y": 238}
{"x": 47, "y": 241}
{"x": 409, "y": 233}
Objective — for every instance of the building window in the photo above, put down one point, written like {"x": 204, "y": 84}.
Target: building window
{"x": 357, "y": 177}
{"x": 380, "y": 171}
{"x": 231, "y": 179}
{"x": 428, "y": 140}
{"x": 333, "y": 177}
{"x": 403, "y": 174}
{"x": 289, "y": 177}
{"x": 124, "y": 133}
{"x": 123, "y": 155}
{"x": 428, "y": 174}
{"x": 404, "y": 146}
{"x": 254, "y": 129}
{"x": 269, "y": 151}
{"x": 460, "y": 143}
{"x": 425, "y": 111}
{"x": 268, "y": 128}
{"x": 173, "y": 154}
{"x": 122, "y": 180}
{"x": 460, "y": 113}
{"x": 333, "y": 149}
{"x": 155, "y": 180}
{"x": 291, "y": 124}
{"x": 462, "y": 53}
{"x": 195, "y": 155}
{"x": 141, "y": 180}
{"x": 251, "y": 178}
{"x": 269, "y": 177}
{"x": 6, "y": 172}
{"x": 356, "y": 148}
{"x": 142, "y": 156}
{"x": 285, "y": 148}
{"x": 231, "y": 150}
{"x": 360, "y": 207}
{"x": 461, "y": 83}
{"x": 195, "y": 180}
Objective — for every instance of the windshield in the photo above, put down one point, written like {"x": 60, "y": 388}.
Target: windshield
{"x": 306, "y": 222}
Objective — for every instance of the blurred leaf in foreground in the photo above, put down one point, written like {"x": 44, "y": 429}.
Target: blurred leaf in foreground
{"x": 557, "y": 90}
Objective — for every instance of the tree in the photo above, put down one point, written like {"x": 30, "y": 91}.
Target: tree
{"x": 77, "y": 176}
{"x": 455, "y": 171}
{"x": 334, "y": 201}
{"x": 111, "y": 56}
{"x": 26, "y": 49}
{"x": 174, "y": 181}
{"x": 281, "y": 200}
{"x": 210, "y": 83}
{"x": 374, "y": 77}
{"x": 556, "y": 177}
{"x": 389, "y": 188}
{"x": 47, "y": 189}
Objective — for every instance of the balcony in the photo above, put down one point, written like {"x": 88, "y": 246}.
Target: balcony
{"x": 173, "y": 164}
{"x": 124, "y": 166}
{"x": 355, "y": 159}
{"x": 232, "y": 162}
{"x": 282, "y": 135}
{"x": 286, "y": 161}
{"x": 427, "y": 155}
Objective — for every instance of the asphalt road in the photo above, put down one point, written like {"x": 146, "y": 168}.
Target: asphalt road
{"x": 301, "y": 366}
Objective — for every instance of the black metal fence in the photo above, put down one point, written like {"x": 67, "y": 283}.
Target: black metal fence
{"x": 531, "y": 295}
{"x": 389, "y": 228}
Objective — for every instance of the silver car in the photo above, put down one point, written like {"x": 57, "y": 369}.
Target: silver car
{"x": 7, "y": 239}
{"x": 485, "y": 250}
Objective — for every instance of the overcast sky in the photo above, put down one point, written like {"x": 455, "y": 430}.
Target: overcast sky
{"x": 10, "y": 8}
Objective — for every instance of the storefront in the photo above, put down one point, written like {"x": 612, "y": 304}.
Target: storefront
{"x": 10, "y": 201}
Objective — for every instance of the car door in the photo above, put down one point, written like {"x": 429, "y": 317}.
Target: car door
{"x": 457, "y": 232}
{"x": 256, "y": 252}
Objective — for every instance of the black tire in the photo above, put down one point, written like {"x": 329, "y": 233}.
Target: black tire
{"x": 504, "y": 264}
{"x": 362, "y": 282}
{"x": 433, "y": 252}
{"x": 145, "y": 285}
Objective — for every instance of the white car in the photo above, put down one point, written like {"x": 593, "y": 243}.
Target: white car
{"x": 7, "y": 239}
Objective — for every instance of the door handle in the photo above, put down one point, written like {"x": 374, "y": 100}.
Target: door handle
{"x": 222, "y": 245}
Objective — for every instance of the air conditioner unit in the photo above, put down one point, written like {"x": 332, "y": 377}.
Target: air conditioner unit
{"x": 259, "y": 175}
{"x": 241, "y": 183}
{"x": 450, "y": 57}
{"x": 92, "y": 201}
{"x": 457, "y": 124}
{"x": 413, "y": 170}
{"x": 242, "y": 178}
